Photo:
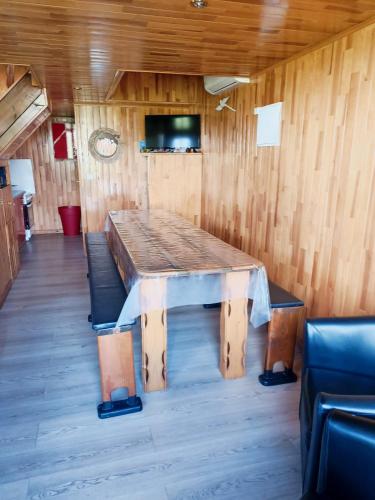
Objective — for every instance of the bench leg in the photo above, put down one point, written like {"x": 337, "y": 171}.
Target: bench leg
{"x": 281, "y": 341}
{"x": 154, "y": 336}
{"x": 116, "y": 364}
{"x": 234, "y": 325}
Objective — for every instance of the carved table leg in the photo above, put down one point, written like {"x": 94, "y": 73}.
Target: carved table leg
{"x": 234, "y": 325}
{"x": 154, "y": 335}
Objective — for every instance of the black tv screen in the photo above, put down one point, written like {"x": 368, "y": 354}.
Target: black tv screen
{"x": 173, "y": 131}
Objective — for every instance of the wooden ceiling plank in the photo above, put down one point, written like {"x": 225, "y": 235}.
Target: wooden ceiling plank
{"x": 82, "y": 43}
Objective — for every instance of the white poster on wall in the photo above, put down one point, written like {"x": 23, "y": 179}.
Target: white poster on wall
{"x": 269, "y": 124}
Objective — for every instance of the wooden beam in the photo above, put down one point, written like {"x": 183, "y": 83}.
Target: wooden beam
{"x": 114, "y": 84}
{"x": 16, "y": 102}
{"x": 35, "y": 80}
{"x": 122, "y": 103}
{"x": 10, "y": 75}
{"x": 24, "y": 126}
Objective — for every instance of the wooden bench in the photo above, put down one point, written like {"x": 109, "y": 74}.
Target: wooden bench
{"x": 115, "y": 345}
{"x": 287, "y": 315}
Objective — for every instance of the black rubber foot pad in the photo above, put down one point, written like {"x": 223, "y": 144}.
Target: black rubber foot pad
{"x": 110, "y": 409}
{"x": 277, "y": 378}
{"x": 212, "y": 306}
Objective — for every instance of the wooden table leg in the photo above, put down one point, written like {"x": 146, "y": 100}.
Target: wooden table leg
{"x": 154, "y": 335}
{"x": 234, "y": 325}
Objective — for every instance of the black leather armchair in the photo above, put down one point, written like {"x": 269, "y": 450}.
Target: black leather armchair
{"x": 347, "y": 459}
{"x": 338, "y": 373}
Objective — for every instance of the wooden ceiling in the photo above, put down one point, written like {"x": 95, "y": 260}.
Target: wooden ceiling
{"x": 81, "y": 43}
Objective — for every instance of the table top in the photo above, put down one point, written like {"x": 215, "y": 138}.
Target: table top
{"x": 161, "y": 243}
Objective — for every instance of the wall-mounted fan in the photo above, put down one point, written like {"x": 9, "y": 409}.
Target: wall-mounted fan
{"x": 223, "y": 104}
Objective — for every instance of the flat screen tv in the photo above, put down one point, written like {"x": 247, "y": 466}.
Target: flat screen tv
{"x": 173, "y": 131}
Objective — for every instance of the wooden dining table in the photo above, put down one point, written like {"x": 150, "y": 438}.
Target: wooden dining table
{"x": 165, "y": 261}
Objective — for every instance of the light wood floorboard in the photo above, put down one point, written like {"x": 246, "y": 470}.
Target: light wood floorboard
{"x": 203, "y": 438}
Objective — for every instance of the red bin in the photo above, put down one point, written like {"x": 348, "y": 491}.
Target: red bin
{"x": 71, "y": 220}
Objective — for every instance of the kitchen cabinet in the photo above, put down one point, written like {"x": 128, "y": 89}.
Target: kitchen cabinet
{"x": 19, "y": 224}
{"x": 10, "y": 228}
{"x": 5, "y": 265}
{"x": 9, "y": 248}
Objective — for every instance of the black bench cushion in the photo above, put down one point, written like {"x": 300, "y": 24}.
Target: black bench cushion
{"x": 281, "y": 298}
{"x": 107, "y": 290}
{"x": 96, "y": 239}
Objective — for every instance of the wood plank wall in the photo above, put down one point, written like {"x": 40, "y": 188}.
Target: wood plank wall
{"x": 56, "y": 181}
{"x": 159, "y": 88}
{"x": 175, "y": 184}
{"x": 307, "y": 209}
{"x": 123, "y": 183}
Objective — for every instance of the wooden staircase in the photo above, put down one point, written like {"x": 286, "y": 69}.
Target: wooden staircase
{"x": 23, "y": 108}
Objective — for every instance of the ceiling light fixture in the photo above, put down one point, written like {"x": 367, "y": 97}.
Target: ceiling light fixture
{"x": 199, "y": 4}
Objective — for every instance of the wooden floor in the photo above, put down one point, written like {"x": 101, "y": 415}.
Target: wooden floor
{"x": 203, "y": 438}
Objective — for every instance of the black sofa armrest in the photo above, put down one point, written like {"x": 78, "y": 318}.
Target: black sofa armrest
{"x": 347, "y": 440}
{"x": 324, "y": 402}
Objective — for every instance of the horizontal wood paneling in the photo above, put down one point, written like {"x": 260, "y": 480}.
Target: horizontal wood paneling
{"x": 56, "y": 181}
{"x": 76, "y": 46}
{"x": 122, "y": 183}
{"x": 306, "y": 209}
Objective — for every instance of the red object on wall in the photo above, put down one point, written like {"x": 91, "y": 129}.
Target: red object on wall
{"x": 59, "y": 141}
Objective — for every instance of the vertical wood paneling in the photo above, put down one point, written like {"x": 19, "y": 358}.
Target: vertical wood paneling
{"x": 307, "y": 208}
{"x": 154, "y": 87}
{"x": 174, "y": 183}
{"x": 56, "y": 181}
{"x": 122, "y": 183}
